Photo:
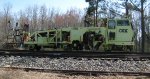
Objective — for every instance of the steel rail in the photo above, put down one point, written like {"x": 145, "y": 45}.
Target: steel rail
{"x": 83, "y": 54}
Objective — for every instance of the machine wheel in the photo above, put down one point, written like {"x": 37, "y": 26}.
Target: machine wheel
{"x": 108, "y": 48}
{"x": 31, "y": 47}
{"x": 130, "y": 48}
{"x": 80, "y": 46}
{"x": 86, "y": 47}
{"x": 37, "y": 48}
{"x": 68, "y": 47}
{"x": 76, "y": 45}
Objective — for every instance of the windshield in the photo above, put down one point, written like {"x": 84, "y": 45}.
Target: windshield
{"x": 122, "y": 22}
{"x": 111, "y": 24}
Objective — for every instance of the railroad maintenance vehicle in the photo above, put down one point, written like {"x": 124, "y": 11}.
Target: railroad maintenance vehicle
{"x": 111, "y": 34}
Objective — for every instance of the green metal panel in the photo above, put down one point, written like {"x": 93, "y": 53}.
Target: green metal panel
{"x": 42, "y": 40}
{"x": 123, "y": 34}
{"x": 77, "y": 34}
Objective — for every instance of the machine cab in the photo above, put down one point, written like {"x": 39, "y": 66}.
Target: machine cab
{"x": 119, "y": 31}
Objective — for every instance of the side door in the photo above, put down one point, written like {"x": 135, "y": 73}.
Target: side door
{"x": 111, "y": 32}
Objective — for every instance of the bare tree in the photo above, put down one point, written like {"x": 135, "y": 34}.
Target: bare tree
{"x": 34, "y": 18}
{"x": 43, "y": 17}
{"x": 72, "y": 18}
{"x": 29, "y": 13}
{"x": 21, "y": 18}
{"x": 50, "y": 18}
{"x": 58, "y": 20}
{"x": 7, "y": 16}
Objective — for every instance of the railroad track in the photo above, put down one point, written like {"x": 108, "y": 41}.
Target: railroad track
{"x": 83, "y": 54}
{"x": 77, "y": 72}
{"x": 66, "y": 55}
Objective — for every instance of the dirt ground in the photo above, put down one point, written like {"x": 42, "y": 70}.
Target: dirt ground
{"x": 20, "y": 74}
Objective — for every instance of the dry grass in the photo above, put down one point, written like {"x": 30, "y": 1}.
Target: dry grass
{"x": 19, "y": 74}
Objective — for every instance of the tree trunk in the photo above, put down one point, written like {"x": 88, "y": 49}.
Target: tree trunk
{"x": 142, "y": 26}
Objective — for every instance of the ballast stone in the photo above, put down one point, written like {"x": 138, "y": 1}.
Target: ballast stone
{"x": 83, "y": 64}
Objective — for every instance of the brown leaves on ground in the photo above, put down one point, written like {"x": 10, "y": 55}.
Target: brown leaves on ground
{"x": 20, "y": 74}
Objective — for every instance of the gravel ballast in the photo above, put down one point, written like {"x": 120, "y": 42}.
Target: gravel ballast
{"x": 82, "y": 64}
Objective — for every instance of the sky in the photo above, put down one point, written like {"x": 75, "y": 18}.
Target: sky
{"x": 62, "y": 5}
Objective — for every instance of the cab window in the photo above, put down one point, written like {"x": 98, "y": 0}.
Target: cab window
{"x": 111, "y": 24}
{"x": 122, "y": 22}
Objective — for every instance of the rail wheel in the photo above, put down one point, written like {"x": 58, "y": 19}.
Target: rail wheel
{"x": 130, "y": 48}
{"x": 38, "y": 48}
{"x": 76, "y": 45}
{"x": 31, "y": 47}
{"x": 67, "y": 47}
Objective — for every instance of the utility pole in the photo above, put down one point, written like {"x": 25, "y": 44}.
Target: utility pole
{"x": 142, "y": 26}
